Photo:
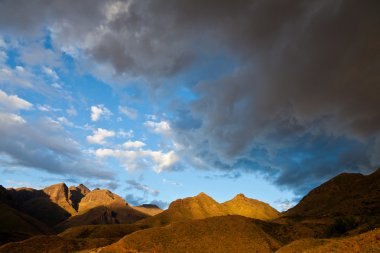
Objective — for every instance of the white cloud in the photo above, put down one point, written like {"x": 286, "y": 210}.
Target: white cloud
{"x": 13, "y": 102}
{"x": 141, "y": 159}
{"x": 10, "y": 118}
{"x": 65, "y": 122}
{"x": 99, "y": 136}
{"x": 133, "y": 144}
{"x": 99, "y": 111}
{"x": 50, "y": 72}
{"x": 128, "y": 134}
{"x": 129, "y": 112}
{"x": 47, "y": 108}
{"x": 162, "y": 127}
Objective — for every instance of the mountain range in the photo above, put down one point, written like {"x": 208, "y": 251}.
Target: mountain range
{"x": 342, "y": 214}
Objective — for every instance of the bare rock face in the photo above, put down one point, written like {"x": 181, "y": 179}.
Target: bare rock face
{"x": 252, "y": 208}
{"x": 102, "y": 207}
{"x": 76, "y": 194}
{"x": 59, "y": 194}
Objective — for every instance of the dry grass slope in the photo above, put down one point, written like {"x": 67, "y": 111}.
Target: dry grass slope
{"x": 365, "y": 243}
{"x": 216, "y": 234}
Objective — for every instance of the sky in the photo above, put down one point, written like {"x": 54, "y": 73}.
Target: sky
{"x": 160, "y": 100}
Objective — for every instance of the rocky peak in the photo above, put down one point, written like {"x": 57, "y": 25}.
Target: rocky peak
{"x": 57, "y": 192}
{"x": 97, "y": 198}
{"x": 83, "y": 189}
{"x": 240, "y": 196}
{"x": 76, "y": 194}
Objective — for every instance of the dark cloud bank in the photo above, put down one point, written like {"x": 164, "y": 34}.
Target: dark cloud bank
{"x": 299, "y": 105}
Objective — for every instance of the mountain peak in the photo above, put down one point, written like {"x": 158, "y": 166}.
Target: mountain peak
{"x": 248, "y": 207}
{"x": 240, "y": 196}
{"x": 100, "y": 198}
{"x": 202, "y": 195}
{"x": 83, "y": 189}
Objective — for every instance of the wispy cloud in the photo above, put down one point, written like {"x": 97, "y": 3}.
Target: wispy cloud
{"x": 129, "y": 112}
{"x": 133, "y": 184}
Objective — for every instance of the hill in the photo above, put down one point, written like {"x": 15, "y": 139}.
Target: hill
{"x": 50, "y": 205}
{"x": 345, "y": 194}
{"x": 197, "y": 207}
{"x": 15, "y": 226}
{"x": 53, "y": 244}
{"x": 368, "y": 242}
{"x": 203, "y": 206}
{"x": 215, "y": 234}
{"x": 241, "y": 205}
{"x": 102, "y": 207}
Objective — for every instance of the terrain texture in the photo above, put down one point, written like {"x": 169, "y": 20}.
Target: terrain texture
{"x": 341, "y": 215}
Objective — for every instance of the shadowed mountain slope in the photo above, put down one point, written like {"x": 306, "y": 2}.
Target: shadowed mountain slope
{"x": 368, "y": 242}
{"x": 53, "y": 244}
{"x": 102, "y": 207}
{"x": 76, "y": 193}
{"x": 15, "y": 225}
{"x": 215, "y": 234}
{"x": 345, "y": 194}
{"x": 40, "y": 205}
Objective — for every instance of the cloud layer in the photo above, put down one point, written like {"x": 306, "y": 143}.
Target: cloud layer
{"x": 298, "y": 103}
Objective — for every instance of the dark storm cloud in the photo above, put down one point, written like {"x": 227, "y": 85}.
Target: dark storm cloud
{"x": 301, "y": 102}
{"x": 23, "y": 17}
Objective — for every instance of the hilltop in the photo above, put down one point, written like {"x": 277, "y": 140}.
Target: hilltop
{"x": 342, "y": 211}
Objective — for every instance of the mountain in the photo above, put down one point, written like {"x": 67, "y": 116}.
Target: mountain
{"x": 215, "y": 234}
{"x": 102, "y": 207}
{"x": 49, "y": 205}
{"x": 148, "y": 209}
{"x": 340, "y": 215}
{"x": 15, "y": 225}
{"x": 241, "y": 205}
{"x": 197, "y": 207}
{"x": 203, "y": 206}
{"x": 348, "y": 194}
{"x": 76, "y": 193}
